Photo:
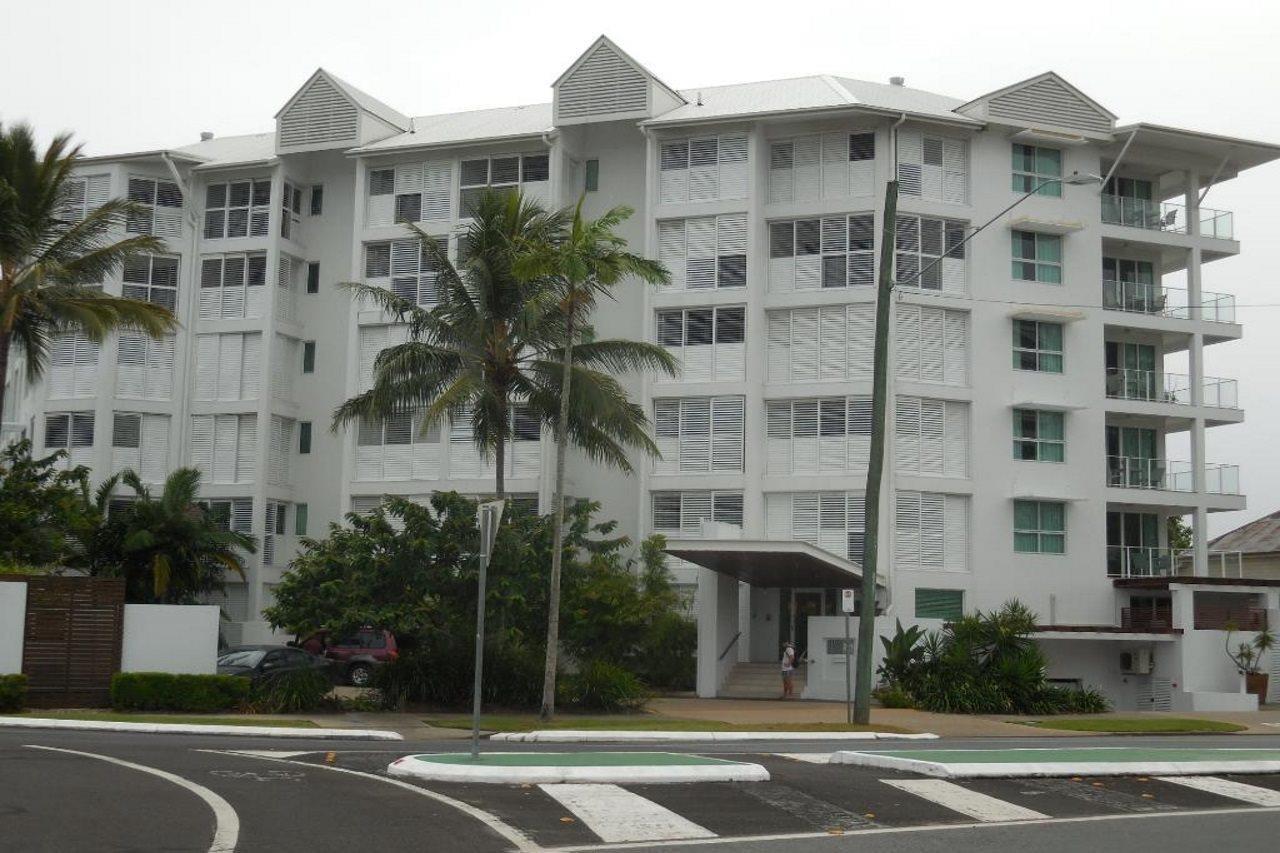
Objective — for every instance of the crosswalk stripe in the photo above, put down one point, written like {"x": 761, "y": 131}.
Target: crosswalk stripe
{"x": 1227, "y": 788}
{"x": 816, "y": 812}
{"x": 972, "y": 803}
{"x": 616, "y": 814}
{"x": 807, "y": 757}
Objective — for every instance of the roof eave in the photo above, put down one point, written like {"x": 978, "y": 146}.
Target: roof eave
{"x": 366, "y": 151}
{"x": 143, "y": 155}
{"x": 817, "y": 112}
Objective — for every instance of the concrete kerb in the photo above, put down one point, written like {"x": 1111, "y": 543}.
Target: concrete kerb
{"x": 193, "y": 729}
{"x": 421, "y": 767}
{"x": 614, "y": 736}
{"x": 962, "y": 770}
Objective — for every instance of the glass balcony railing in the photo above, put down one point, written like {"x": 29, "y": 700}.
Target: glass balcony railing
{"x": 1150, "y": 386}
{"x": 1125, "y": 561}
{"x": 1135, "y": 472}
{"x": 1164, "y": 216}
{"x": 1143, "y": 298}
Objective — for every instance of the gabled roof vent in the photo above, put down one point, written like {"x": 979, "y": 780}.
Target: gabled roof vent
{"x": 206, "y": 135}
{"x": 897, "y": 81}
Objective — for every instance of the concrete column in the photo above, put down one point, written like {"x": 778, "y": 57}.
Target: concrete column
{"x": 1195, "y": 364}
{"x": 717, "y": 624}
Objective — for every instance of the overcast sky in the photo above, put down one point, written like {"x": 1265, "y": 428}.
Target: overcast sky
{"x": 135, "y": 75}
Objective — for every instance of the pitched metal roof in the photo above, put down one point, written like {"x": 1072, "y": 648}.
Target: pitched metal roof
{"x": 468, "y": 127}
{"x": 225, "y": 151}
{"x": 1256, "y": 537}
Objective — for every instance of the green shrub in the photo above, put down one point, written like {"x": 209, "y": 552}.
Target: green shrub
{"x": 289, "y": 692}
{"x": 603, "y": 686}
{"x": 440, "y": 673}
{"x": 162, "y": 691}
{"x": 667, "y": 657}
{"x": 893, "y": 697}
{"x": 13, "y": 693}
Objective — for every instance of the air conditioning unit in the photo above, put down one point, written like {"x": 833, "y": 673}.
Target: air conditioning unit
{"x": 1137, "y": 662}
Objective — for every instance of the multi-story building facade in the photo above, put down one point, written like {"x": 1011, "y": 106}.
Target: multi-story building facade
{"x": 1030, "y": 401}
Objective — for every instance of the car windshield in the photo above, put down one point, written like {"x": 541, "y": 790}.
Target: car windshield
{"x": 242, "y": 657}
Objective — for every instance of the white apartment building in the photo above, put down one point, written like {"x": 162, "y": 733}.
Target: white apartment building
{"x": 1031, "y": 405}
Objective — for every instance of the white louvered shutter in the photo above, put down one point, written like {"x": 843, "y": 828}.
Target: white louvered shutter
{"x": 666, "y": 424}
{"x": 437, "y": 190}
{"x": 907, "y": 531}
{"x": 728, "y": 422}
{"x": 731, "y": 242}
{"x": 62, "y": 370}
{"x": 932, "y": 437}
{"x": 251, "y": 366}
{"x": 861, "y": 332}
{"x": 730, "y": 356}
{"x": 225, "y": 436}
{"x": 907, "y": 342}
{"x": 932, "y": 532}
{"x": 704, "y": 169}
{"x": 131, "y": 358}
{"x": 695, "y": 435}
{"x": 835, "y": 165}
{"x": 733, "y": 166}
{"x": 779, "y": 346}
{"x": 159, "y": 368}
{"x": 700, "y": 248}
{"x": 955, "y": 171}
{"x": 859, "y": 431}
{"x": 780, "y": 172}
{"x": 777, "y": 414}
{"x": 202, "y": 445}
{"x": 674, "y": 172}
{"x": 246, "y": 448}
{"x": 154, "y": 457}
{"x": 231, "y": 363}
{"x": 906, "y": 435}
{"x": 804, "y": 345}
{"x": 672, "y": 251}
{"x": 807, "y": 181}
{"x": 956, "y": 533}
{"x": 804, "y": 436}
{"x": 956, "y": 347}
{"x": 956, "y": 451}
{"x": 910, "y": 163}
{"x": 833, "y": 334}
{"x": 208, "y": 367}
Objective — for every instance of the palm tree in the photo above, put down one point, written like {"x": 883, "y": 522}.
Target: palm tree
{"x": 587, "y": 263}
{"x": 170, "y": 548}
{"x": 47, "y": 258}
{"x": 495, "y": 339}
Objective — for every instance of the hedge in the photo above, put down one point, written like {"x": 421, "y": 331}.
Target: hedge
{"x": 163, "y": 691}
{"x": 13, "y": 692}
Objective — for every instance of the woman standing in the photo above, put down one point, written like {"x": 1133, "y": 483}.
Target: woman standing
{"x": 788, "y": 670}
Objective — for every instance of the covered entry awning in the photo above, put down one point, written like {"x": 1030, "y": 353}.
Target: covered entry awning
{"x": 769, "y": 562}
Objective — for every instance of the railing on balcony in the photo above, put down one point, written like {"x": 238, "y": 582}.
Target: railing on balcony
{"x": 1147, "y": 298}
{"x": 1234, "y": 617}
{"x": 1222, "y": 479}
{"x": 1150, "y": 386}
{"x": 1136, "y": 472}
{"x": 1147, "y": 617}
{"x": 1130, "y": 561}
{"x": 1164, "y": 216}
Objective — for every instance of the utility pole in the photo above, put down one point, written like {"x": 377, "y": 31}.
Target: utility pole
{"x": 875, "y": 468}
{"x": 489, "y": 514}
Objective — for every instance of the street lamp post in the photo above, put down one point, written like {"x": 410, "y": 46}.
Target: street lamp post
{"x": 488, "y": 516}
{"x": 879, "y": 404}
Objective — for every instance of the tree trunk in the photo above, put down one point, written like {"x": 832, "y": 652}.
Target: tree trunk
{"x": 500, "y": 459}
{"x": 4, "y": 370}
{"x": 557, "y": 539}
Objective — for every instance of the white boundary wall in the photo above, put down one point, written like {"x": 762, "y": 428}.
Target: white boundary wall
{"x": 13, "y": 617}
{"x": 178, "y": 638}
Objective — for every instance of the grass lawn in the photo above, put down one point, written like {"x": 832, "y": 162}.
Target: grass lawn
{"x": 183, "y": 719}
{"x": 1138, "y": 725}
{"x": 635, "y": 722}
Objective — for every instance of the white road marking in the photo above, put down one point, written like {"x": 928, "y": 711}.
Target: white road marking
{"x": 226, "y": 830}
{"x": 615, "y": 814}
{"x": 270, "y": 753}
{"x": 972, "y": 803}
{"x": 1228, "y": 788}
{"x": 517, "y": 838}
{"x": 807, "y": 757}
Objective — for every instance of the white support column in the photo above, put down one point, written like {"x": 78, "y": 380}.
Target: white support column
{"x": 1195, "y": 368}
{"x": 717, "y": 608}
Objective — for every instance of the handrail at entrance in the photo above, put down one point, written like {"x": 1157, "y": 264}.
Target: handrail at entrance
{"x": 732, "y": 643}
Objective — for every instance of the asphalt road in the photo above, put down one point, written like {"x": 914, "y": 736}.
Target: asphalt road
{"x": 88, "y": 791}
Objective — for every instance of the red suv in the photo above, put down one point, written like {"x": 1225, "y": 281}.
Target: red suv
{"x": 354, "y": 657}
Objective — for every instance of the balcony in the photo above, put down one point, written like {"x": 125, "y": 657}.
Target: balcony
{"x": 1129, "y": 561}
{"x": 1229, "y": 617}
{"x": 1155, "y": 300}
{"x": 1153, "y": 387}
{"x": 1135, "y": 472}
{"x": 1148, "y": 618}
{"x": 1165, "y": 216}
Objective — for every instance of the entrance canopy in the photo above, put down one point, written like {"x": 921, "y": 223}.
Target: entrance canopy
{"x": 769, "y": 562}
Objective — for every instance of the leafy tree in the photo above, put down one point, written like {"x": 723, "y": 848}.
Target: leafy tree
{"x": 587, "y": 263}
{"x": 45, "y": 511}
{"x": 47, "y": 258}
{"x": 170, "y": 548}
{"x": 1179, "y": 532}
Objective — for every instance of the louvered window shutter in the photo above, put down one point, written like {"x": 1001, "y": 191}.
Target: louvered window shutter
{"x": 835, "y": 165}
{"x": 779, "y": 346}
{"x": 858, "y": 449}
{"x": 833, "y": 334}
{"x": 126, "y": 441}
{"x": 910, "y": 163}
{"x": 956, "y": 533}
{"x": 956, "y": 347}
{"x": 804, "y": 345}
{"x": 907, "y": 531}
{"x": 804, "y": 431}
{"x": 932, "y": 438}
{"x": 733, "y": 166}
{"x": 781, "y": 155}
{"x": 225, "y": 436}
{"x": 730, "y": 346}
{"x": 672, "y": 250}
{"x": 807, "y": 172}
{"x": 674, "y": 172}
{"x": 782, "y": 260}
{"x": 906, "y": 435}
{"x": 731, "y": 250}
{"x": 202, "y": 445}
{"x": 695, "y": 435}
{"x": 700, "y": 253}
{"x": 131, "y": 365}
{"x": 727, "y": 432}
{"x": 208, "y": 366}
{"x": 956, "y": 428}
{"x": 932, "y": 532}
{"x": 154, "y": 462}
{"x": 777, "y": 515}
{"x": 437, "y": 190}
{"x": 666, "y": 511}
{"x": 695, "y": 508}
{"x": 380, "y": 207}
{"x": 246, "y": 448}
{"x": 666, "y": 427}
{"x": 408, "y": 187}
{"x": 251, "y": 366}
{"x": 947, "y": 604}
{"x": 778, "y": 437}
{"x": 907, "y": 343}
{"x": 704, "y": 171}
{"x": 861, "y": 330}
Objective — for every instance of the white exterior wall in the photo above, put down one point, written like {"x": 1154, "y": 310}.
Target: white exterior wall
{"x": 13, "y": 621}
{"x": 979, "y": 489}
{"x": 170, "y": 638}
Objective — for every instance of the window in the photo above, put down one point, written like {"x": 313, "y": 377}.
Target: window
{"x": 1037, "y": 436}
{"x": 837, "y": 251}
{"x": 591, "y": 176}
{"x": 498, "y": 174}
{"x": 833, "y": 165}
{"x": 929, "y": 253}
{"x": 280, "y": 450}
{"x": 827, "y": 344}
{"x": 81, "y": 196}
{"x": 144, "y": 366}
{"x": 304, "y": 437}
{"x": 126, "y": 430}
{"x": 931, "y": 532}
{"x": 933, "y": 168}
{"x": 817, "y": 436}
{"x": 945, "y": 604}
{"x": 317, "y": 199}
{"x": 68, "y": 432}
{"x": 706, "y": 252}
{"x": 232, "y": 513}
{"x": 1038, "y": 169}
{"x": 224, "y": 447}
{"x": 228, "y": 366}
{"x": 692, "y": 332}
{"x": 159, "y": 208}
{"x": 237, "y": 209}
{"x": 833, "y": 521}
{"x": 1039, "y": 527}
{"x": 232, "y": 286}
{"x": 1037, "y": 346}
{"x": 699, "y": 434}
{"x": 703, "y": 169}
{"x": 684, "y": 512}
{"x": 73, "y": 365}
{"x": 300, "y": 519}
{"x": 932, "y": 345}
{"x": 151, "y": 278}
{"x": 931, "y": 437}
{"x": 313, "y": 277}
{"x": 1037, "y": 257}
{"x": 291, "y": 209}
{"x": 308, "y": 356}
{"x": 405, "y": 267}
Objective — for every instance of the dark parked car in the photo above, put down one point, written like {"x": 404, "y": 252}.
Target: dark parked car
{"x": 258, "y": 662}
{"x": 356, "y": 656}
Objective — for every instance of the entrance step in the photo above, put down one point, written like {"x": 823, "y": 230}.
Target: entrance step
{"x": 758, "y": 681}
